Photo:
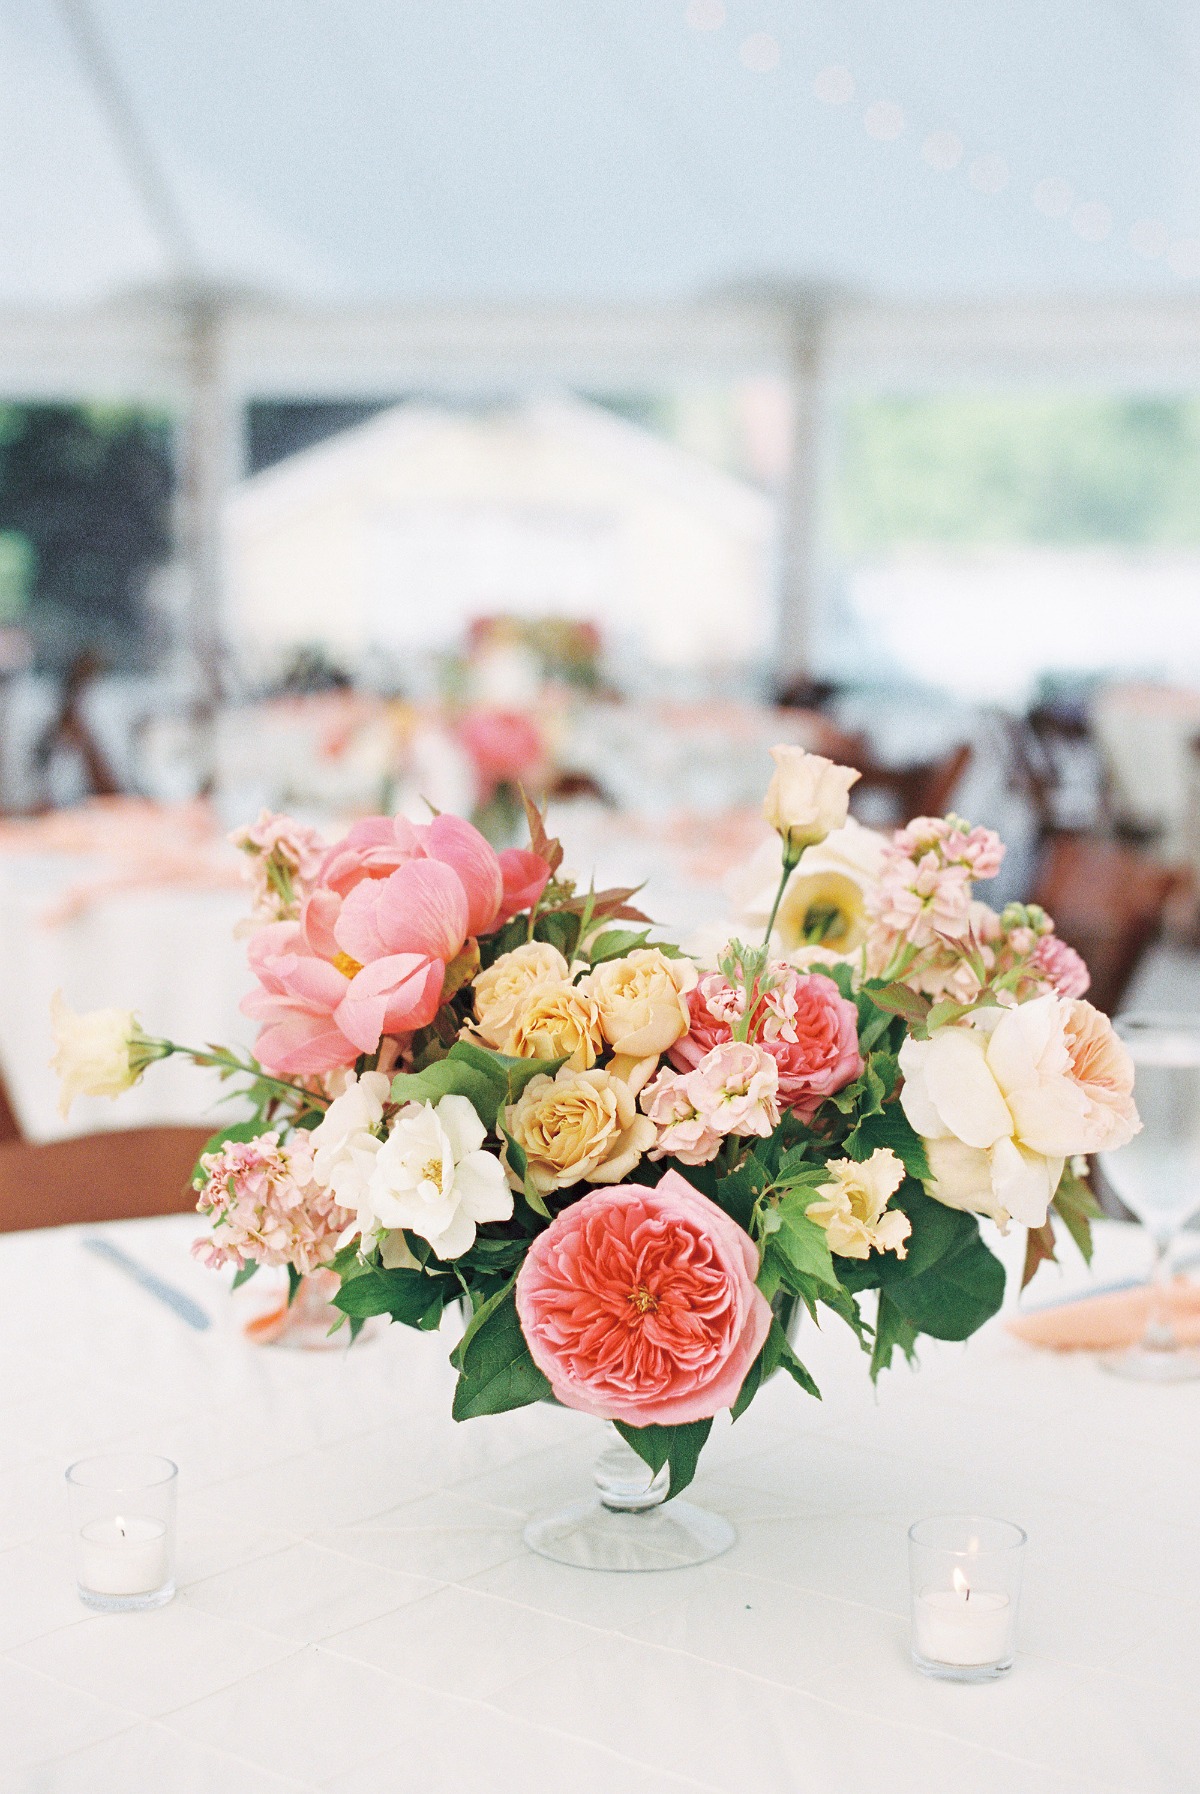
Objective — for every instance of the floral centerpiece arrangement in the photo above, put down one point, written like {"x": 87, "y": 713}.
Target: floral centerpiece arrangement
{"x": 475, "y": 1083}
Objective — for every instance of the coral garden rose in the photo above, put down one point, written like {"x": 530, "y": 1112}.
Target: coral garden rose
{"x": 556, "y": 1021}
{"x": 1003, "y": 1101}
{"x": 640, "y": 1305}
{"x": 500, "y": 991}
{"x": 808, "y": 797}
{"x": 805, "y": 1023}
{"x": 577, "y": 1127}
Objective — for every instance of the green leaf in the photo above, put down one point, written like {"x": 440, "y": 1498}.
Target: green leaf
{"x": 949, "y": 1283}
{"x": 678, "y": 1446}
{"x": 776, "y": 1354}
{"x": 561, "y": 929}
{"x": 890, "y": 1128}
{"x": 294, "y": 1282}
{"x": 892, "y": 1330}
{"x": 245, "y": 1273}
{"x": 800, "y": 1242}
{"x": 615, "y": 943}
{"x": 405, "y": 1295}
{"x": 496, "y": 1371}
{"x": 516, "y": 1157}
{"x": 450, "y": 1077}
{"x": 898, "y": 999}
{"x": 1078, "y": 1208}
{"x": 740, "y": 1190}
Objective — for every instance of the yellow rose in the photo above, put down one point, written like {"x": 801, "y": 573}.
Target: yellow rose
{"x": 853, "y": 1206}
{"x": 500, "y": 991}
{"x": 808, "y": 797}
{"x": 580, "y": 1126}
{"x": 642, "y": 1001}
{"x": 553, "y": 1021}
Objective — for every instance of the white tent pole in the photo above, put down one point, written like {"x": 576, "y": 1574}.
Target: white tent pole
{"x": 206, "y": 460}
{"x": 799, "y": 507}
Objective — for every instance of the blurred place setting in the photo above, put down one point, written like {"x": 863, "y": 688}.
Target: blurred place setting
{"x": 599, "y": 823}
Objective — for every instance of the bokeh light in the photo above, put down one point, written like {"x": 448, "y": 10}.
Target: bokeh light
{"x": 705, "y": 15}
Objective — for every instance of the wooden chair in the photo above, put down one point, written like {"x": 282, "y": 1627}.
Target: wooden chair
{"x": 115, "y": 1176}
{"x": 10, "y": 1127}
{"x": 1109, "y": 901}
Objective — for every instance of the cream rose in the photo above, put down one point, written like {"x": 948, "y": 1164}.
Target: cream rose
{"x": 643, "y": 1007}
{"x": 101, "y": 1053}
{"x": 500, "y": 991}
{"x": 1003, "y": 1101}
{"x": 579, "y": 1126}
{"x": 808, "y": 797}
{"x": 553, "y": 1021}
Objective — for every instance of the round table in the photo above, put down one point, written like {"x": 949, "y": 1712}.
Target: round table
{"x": 357, "y": 1612}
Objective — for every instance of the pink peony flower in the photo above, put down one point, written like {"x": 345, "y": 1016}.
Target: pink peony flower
{"x": 640, "y": 1305}
{"x": 803, "y": 1022}
{"x": 393, "y": 904}
{"x": 1061, "y": 966}
{"x": 526, "y": 876}
{"x": 264, "y": 1206}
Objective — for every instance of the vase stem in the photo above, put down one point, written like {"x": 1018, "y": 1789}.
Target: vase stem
{"x": 624, "y": 1480}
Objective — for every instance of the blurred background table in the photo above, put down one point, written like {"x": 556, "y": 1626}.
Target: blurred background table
{"x": 357, "y": 1611}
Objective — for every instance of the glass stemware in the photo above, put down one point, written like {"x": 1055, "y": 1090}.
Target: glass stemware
{"x": 1157, "y": 1176}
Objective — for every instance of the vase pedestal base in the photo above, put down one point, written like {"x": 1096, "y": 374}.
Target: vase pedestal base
{"x": 591, "y": 1536}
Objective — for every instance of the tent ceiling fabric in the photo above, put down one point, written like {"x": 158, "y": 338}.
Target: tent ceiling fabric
{"x": 608, "y": 151}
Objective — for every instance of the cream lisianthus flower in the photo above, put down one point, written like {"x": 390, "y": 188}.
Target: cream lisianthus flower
{"x": 578, "y": 1126}
{"x": 1004, "y": 1100}
{"x": 432, "y": 1176}
{"x": 807, "y": 799}
{"x": 643, "y": 1007}
{"x": 101, "y": 1053}
{"x": 853, "y": 1206}
{"x": 554, "y": 1021}
{"x": 824, "y": 912}
{"x": 345, "y": 1143}
{"x": 500, "y": 991}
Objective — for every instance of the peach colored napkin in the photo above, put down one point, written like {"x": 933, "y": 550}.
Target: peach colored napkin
{"x": 1104, "y": 1323}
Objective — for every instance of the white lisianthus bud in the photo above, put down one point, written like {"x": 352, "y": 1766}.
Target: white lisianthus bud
{"x": 807, "y": 799}
{"x": 98, "y": 1054}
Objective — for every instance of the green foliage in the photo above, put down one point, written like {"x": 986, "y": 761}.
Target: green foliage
{"x": 1017, "y": 467}
{"x": 776, "y": 1354}
{"x": 244, "y": 1273}
{"x": 892, "y": 1330}
{"x": 495, "y": 1370}
{"x": 1078, "y": 1208}
{"x": 488, "y": 1080}
{"x": 948, "y": 1284}
{"x": 410, "y": 1297}
{"x": 678, "y": 1446}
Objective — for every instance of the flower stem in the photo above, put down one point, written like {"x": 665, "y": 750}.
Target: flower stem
{"x": 790, "y": 861}
{"x": 221, "y": 1059}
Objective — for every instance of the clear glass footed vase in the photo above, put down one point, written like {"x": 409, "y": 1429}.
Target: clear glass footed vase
{"x": 629, "y": 1524}
{"x": 304, "y": 1323}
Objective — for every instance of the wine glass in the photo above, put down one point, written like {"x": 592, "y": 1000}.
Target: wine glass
{"x": 1158, "y": 1176}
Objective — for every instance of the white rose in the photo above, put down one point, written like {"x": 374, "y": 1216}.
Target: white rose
{"x": 808, "y": 797}
{"x": 432, "y": 1176}
{"x": 98, "y": 1054}
{"x": 345, "y": 1144}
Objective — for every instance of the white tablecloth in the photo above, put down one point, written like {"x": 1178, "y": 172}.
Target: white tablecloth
{"x": 357, "y": 1611}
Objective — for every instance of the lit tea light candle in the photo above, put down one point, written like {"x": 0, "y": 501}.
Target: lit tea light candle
{"x": 966, "y": 1581}
{"x": 123, "y": 1556}
{"x": 961, "y": 1625}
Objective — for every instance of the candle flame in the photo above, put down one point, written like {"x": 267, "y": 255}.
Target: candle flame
{"x": 961, "y": 1585}
{"x": 121, "y": 1527}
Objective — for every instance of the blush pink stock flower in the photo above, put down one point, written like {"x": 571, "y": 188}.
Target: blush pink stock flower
{"x": 393, "y": 904}
{"x": 804, "y": 1023}
{"x": 1061, "y": 967}
{"x": 265, "y": 1207}
{"x": 640, "y": 1305}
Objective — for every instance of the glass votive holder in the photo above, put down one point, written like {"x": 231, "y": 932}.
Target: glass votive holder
{"x": 965, "y": 1574}
{"x": 123, "y": 1522}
